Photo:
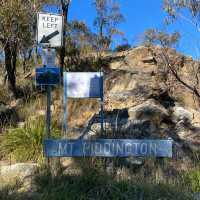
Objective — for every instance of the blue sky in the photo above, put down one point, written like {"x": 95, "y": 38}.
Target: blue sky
{"x": 141, "y": 15}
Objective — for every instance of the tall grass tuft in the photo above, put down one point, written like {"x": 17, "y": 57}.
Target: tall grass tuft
{"x": 26, "y": 144}
{"x": 193, "y": 179}
{"x": 100, "y": 186}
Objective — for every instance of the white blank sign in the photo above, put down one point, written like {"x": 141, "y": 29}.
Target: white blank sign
{"x": 49, "y": 24}
{"x": 83, "y": 84}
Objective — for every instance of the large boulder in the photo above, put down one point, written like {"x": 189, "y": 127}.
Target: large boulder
{"x": 142, "y": 121}
{"x": 19, "y": 171}
{"x": 150, "y": 110}
{"x": 181, "y": 114}
{"x": 187, "y": 128}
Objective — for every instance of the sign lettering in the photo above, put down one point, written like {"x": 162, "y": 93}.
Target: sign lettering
{"x": 50, "y": 29}
{"x": 108, "y": 148}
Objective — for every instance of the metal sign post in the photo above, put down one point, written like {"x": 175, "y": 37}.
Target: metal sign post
{"x": 49, "y": 34}
{"x": 47, "y": 77}
{"x": 83, "y": 85}
{"x": 65, "y": 104}
{"x": 102, "y": 102}
{"x": 48, "y": 116}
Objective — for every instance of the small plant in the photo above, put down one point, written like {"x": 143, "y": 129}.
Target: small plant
{"x": 26, "y": 144}
{"x": 98, "y": 185}
{"x": 122, "y": 47}
{"x": 193, "y": 179}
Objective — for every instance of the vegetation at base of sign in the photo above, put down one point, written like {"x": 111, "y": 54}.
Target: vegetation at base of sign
{"x": 192, "y": 178}
{"x": 93, "y": 184}
{"x": 26, "y": 143}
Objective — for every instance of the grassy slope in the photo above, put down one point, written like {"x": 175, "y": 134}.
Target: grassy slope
{"x": 95, "y": 185}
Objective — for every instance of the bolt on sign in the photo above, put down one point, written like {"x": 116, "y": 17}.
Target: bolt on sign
{"x": 50, "y": 29}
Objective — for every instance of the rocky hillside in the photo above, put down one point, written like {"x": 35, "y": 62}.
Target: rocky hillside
{"x": 138, "y": 104}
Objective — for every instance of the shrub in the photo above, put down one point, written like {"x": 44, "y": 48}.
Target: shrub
{"x": 193, "y": 179}
{"x": 122, "y": 47}
{"x": 26, "y": 144}
{"x": 100, "y": 186}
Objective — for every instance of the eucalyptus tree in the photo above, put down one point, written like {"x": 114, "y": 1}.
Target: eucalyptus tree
{"x": 65, "y": 9}
{"x": 189, "y": 12}
{"x": 170, "y": 65}
{"x": 106, "y": 22}
{"x": 17, "y": 28}
{"x": 176, "y": 10}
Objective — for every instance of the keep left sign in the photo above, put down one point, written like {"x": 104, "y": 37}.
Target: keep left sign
{"x": 50, "y": 29}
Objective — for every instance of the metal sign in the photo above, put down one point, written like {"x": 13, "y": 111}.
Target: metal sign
{"x": 48, "y": 57}
{"x": 108, "y": 148}
{"x": 83, "y": 84}
{"x": 47, "y": 76}
{"x": 50, "y": 29}
{"x": 52, "y": 8}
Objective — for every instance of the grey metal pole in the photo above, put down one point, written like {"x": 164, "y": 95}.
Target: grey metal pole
{"x": 102, "y": 103}
{"x": 102, "y": 117}
{"x": 48, "y": 117}
{"x": 65, "y": 104}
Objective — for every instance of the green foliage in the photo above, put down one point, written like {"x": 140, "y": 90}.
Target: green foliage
{"x": 122, "y": 47}
{"x": 153, "y": 36}
{"x": 107, "y": 19}
{"x": 176, "y": 9}
{"x": 95, "y": 185}
{"x": 4, "y": 94}
{"x": 26, "y": 144}
{"x": 91, "y": 64}
{"x": 9, "y": 192}
{"x": 193, "y": 179}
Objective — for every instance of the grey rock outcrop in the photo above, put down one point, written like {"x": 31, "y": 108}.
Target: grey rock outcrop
{"x": 17, "y": 171}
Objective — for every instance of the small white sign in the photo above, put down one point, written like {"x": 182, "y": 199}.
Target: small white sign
{"x": 50, "y": 29}
{"x": 49, "y": 57}
{"x": 83, "y": 84}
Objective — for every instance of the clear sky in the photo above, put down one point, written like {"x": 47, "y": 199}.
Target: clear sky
{"x": 141, "y": 15}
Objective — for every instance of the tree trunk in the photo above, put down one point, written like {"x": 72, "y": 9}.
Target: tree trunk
{"x": 101, "y": 37}
{"x": 65, "y": 9}
{"x": 10, "y": 65}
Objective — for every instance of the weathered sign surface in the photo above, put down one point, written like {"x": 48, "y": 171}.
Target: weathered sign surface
{"x": 50, "y": 29}
{"x": 83, "y": 84}
{"x": 47, "y": 76}
{"x": 108, "y": 148}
